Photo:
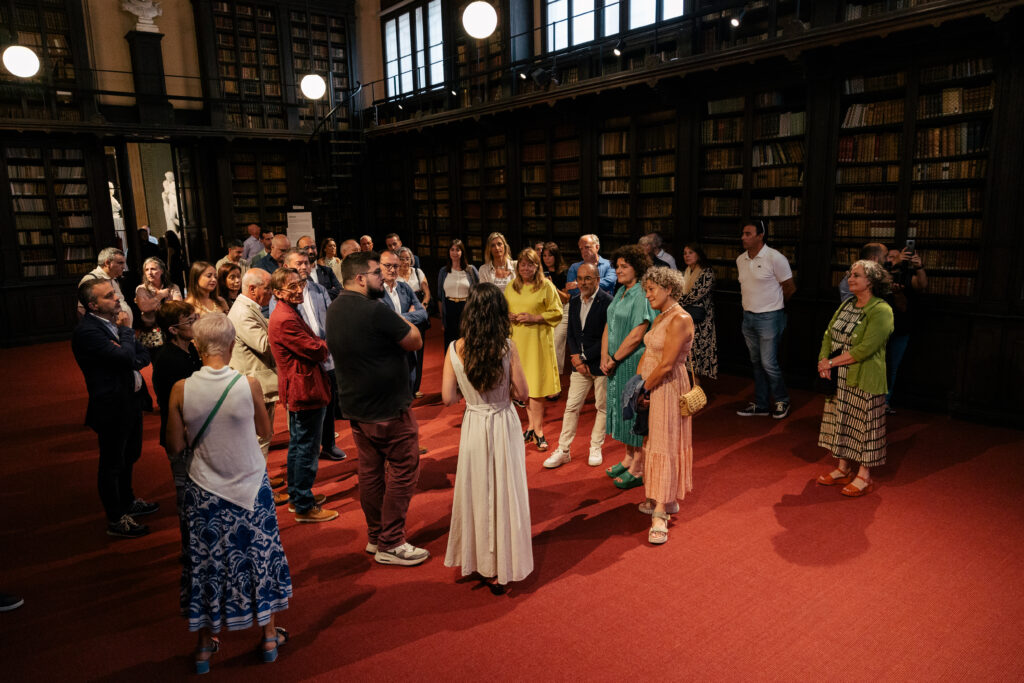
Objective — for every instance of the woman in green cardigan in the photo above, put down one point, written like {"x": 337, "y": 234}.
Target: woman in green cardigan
{"x": 853, "y": 423}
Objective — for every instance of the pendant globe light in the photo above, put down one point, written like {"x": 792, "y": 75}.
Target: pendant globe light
{"x": 313, "y": 86}
{"x": 479, "y": 19}
{"x": 21, "y": 61}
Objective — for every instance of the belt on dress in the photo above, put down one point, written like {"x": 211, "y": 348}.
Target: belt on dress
{"x": 486, "y": 408}
{"x": 457, "y": 299}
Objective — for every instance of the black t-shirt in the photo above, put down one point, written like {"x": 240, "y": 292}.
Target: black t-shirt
{"x": 170, "y": 365}
{"x": 557, "y": 278}
{"x": 371, "y": 368}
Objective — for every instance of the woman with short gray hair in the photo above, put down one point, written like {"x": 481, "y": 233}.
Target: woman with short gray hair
{"x": 853, "y": 355}
{"x": 236, "y": 571}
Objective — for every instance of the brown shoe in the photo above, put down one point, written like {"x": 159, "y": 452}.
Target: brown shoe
{"x": 829, "y": 480}
{"x": 277, "y": 482}
{"x": 423, "y": 450}
{"x": 318, "y": 499}
{"x": 316, "y": 514}
{"x": 280, "y": 497}
{"x": 856, "y": 492}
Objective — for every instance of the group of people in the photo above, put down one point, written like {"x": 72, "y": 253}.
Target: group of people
{"x": 306, "y": 329}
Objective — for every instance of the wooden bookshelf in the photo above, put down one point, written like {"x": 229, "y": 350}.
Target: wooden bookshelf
{"x": 53, "y": 221}
{"x": 46, "y": 28}
{"x": 248, "y": 54}
{"x": 762, "y": 20}
{"x": 565, "y": 182}
{"x": 320, "y": 45}
{"x": 721, "y": 181}
{"x": 655, "y": 172}
{"x": 259, "y": 191}
{"x": 481, "y": 66}
{"x": 952, "y": 140}
{"x": 432, "y": 203}
{"x": 614, "y": 180}
{"x": 533, "y": 164}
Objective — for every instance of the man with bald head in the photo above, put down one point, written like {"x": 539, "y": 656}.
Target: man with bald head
{"x": 275, "y": 259}
{"x": 347, "y": 247}
{"x": 253, "y": 245}
{"x": 365, "y": 243}
{"x": 588, "y": 314}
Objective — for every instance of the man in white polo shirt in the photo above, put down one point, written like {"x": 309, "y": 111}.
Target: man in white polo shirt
{"x": 766, "y": 282}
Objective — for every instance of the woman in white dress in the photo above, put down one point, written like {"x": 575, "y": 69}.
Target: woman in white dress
{"x": 498, "y": 268}
{"x": 490, "y": 528}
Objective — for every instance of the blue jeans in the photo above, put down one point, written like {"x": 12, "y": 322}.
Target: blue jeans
{"x": 305, "y": 427}
{"x": 762, "y": 332}
{"x": 895, "y": 350}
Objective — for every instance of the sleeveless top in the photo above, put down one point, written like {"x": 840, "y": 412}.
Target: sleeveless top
{"x": 227, "y": 461}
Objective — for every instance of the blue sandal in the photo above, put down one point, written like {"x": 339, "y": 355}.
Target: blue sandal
{"x": 203, "y": 665}
{"x": 279, "y": 639}
{"x": 628, "y": 481}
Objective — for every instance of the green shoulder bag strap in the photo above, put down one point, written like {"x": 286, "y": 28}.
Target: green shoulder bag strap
{"x": 209, "y": 418}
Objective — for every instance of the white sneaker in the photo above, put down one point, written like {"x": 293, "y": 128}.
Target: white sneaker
{"x": 595, "y": 458}
{"x": 406, "y": 555}
{"x": 557, "y": 459}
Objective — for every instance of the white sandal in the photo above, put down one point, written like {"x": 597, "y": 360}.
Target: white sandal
{"x": 658, "y": 536}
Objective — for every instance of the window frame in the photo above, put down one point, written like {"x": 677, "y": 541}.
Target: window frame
{"x": 421, "y": 45}
{"x": 600, "y": 11}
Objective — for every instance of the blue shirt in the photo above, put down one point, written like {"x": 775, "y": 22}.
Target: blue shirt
{"x": 604, "y": 271}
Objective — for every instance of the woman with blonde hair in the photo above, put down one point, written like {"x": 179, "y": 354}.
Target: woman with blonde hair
{"x": 499, "y": 268}
{"x": 202, "y": 289}
{"x": 535, "y": 311}
{"x": 155, "y": 289}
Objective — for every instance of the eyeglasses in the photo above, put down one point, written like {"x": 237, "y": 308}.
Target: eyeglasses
{"x": 372, "y": 272}
{"x": 187, "y": 321}
{"x": 389, "y": 266}
{"x": 301, "y": 284}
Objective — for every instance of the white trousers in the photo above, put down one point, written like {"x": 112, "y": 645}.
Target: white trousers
{"x": 579, "y": 387}
{"x": 561, "y": 332}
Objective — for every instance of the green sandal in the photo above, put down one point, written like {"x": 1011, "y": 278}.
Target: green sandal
{"x": 616, "y": 470}
{"x": 628, "y": 481}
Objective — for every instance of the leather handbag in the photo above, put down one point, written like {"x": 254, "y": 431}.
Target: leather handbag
{"x": 694, "y": 400}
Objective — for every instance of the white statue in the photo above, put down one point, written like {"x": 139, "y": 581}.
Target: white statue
{"x": 115, "y": 206}
{"x": 146, "y": 11}
{"x": 170, "y": 198}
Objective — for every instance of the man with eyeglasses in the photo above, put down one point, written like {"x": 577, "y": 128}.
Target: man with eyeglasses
{"x": 371, "y": 344}
{"x": 313, "y": 310}
{"x": 402, "y": 300}
{"x": 304, "y": 390}
{"x": 175, "y": 360}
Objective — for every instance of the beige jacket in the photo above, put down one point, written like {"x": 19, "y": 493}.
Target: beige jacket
{"x": 251, "y": 355}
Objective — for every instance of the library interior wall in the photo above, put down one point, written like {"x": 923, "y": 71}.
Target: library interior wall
{"x": 369, "y": 63}
{"x": 111, "y": 58}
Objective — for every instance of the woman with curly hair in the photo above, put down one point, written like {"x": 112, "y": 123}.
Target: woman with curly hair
{"x": 629, "y": 316}
{"x": 535, "y": 311}
{"x": 667, "y": 450}
{"x": 490, "y": 527}
{"x": 202, "y": 289}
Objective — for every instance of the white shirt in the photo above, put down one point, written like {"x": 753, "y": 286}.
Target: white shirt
{"x": 667, "y": 258}
{"x": 392, "y": 293}
{"x": 312, "y": 274}
{"x": 585, "y": 306}
{"x": 307, "y": 307}
{"x": 456, "y": 284}
{"x": 759, "y": 280}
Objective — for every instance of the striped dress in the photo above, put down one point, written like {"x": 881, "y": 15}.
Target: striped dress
{"x": 853, "y": 423}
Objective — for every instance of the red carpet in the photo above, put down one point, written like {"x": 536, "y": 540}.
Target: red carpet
{"x": 766, "y": 575}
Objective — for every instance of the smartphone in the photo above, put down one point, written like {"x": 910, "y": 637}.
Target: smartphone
{"x": 910, "y": 247}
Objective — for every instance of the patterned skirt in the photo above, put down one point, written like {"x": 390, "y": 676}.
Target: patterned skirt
{"x": 237, "y": 572}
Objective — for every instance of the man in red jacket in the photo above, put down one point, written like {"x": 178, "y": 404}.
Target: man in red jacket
{"x": 303, "y": 389}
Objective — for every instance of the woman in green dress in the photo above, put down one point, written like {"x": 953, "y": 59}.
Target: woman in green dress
{"x": 629, "y": 316}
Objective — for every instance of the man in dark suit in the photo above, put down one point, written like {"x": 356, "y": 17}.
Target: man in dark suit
{"x": 588, "y": 314}
{"x": 322, "y": 275}
{"x": 110, "y": 359}
{"x": 402, "y": 300}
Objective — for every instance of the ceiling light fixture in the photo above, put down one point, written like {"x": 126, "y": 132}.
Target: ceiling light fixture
{"x": 479, "y": 19}
{"x": 738, "y": 19}
{"x": 619, "y": 46}
{"x": 21, "y": 61}
{"x": 313, "y": 86}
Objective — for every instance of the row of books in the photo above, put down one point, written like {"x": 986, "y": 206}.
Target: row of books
{"x": 722, "y": 130}
{"x": 608, "y": 168}
{"x": 865, "y": 84}
{"x": 873, "y": 114}
{"x": 657, "y": 139}
{"x": 614, "y": 143}
{"x": 946, "y": 201}
{"x": 774, "y": 153}
{"x": 953, "y": 101}
{"x": 34, "y": 238}
{"x": 968, "y": 68}
{"x": 870, "y": 147}
{"x": 780, "y": 125}
{"x": 657, "y": 164}
{"x": 951, "y": 286}
{"x": 654, "y": 208}
{"x": 565, "y": 209}
{"x": 964, "y": 169}
{"x": 563, "y": 172}
{"x": 945, "y": 228}
{"x": 22, "y": 171}
{"x": 960, "y": 138}
{"x": 614, "y": 186}
{"x": 866, "y": 202}
{"x": 613, "y": 208}
{"x": 534, "y": 152}
{"x": 534, "y": 174}
{"x": 786, "y": 176}
{"x": 657, "y": 184}
{"x": 722, "y": 181}
{"x": 722, "y": 159}
{"x": 776, "y": 206}
{"x": 565, "y": 149}
{"x": 864, "y": 229}
{"x": 39, "y": 271}
{"x": 720, "y": 206}
{"x": 848, "y": 175}
{"x": 727, "y": 105}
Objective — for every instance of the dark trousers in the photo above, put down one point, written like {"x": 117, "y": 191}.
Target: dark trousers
{"x": 303, "y": 455}
{"x": 120, "y": 448}
{"x": 452, "y": 318}
{"x": 327, "y": 437}
{"x": 385, "y": 492}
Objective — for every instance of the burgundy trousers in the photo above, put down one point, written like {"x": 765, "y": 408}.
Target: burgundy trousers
{"x": 385, "y": 492}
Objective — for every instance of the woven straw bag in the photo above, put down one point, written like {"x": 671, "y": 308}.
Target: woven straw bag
{"x": 694, "y": 400}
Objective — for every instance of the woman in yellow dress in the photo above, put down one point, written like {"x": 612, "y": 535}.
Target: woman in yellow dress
{"x": 535, "y": 311}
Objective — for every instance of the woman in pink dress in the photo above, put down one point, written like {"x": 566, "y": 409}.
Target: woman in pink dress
{"x": 667, "y": 450}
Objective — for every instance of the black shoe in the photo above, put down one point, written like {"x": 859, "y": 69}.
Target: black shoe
{"x": 141, "y": 507}
{"x": 529, "y": 436}
{"x": 9, "y": 602}
{"x": 126, "y": 527}
{"x": 333, "y": 453}
{"x": 753, "y": 410}
{"x": 781, "y": 410}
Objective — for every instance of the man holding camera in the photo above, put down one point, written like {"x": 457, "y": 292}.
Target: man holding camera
{"x": 909, "y": 279}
